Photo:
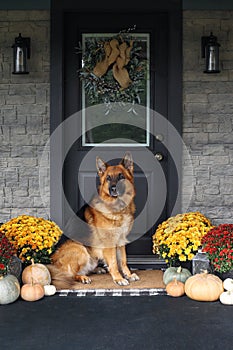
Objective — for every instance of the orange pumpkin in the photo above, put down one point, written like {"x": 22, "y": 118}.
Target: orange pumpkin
{"x": 204, "y": 287}
{"x": 38, "y": 272}
{"x": 32, "y": 291}
{"x": 175, "y": 288}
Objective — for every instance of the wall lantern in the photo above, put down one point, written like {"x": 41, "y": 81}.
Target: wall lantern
{"x": 21, "y": 53}
{"x": 210, "y": 51}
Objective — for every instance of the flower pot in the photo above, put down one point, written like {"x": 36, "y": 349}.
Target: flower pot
{"x": 224, "y": 275}
{"x": 15, "y": 267}
{"x": 184, "y": 264}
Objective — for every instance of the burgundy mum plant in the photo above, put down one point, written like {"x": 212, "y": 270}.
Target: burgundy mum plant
{"x": 6, "y": 253}
{"x": 218, "y": 245}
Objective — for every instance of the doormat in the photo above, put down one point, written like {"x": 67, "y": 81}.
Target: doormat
{"x": 150, "y": 283}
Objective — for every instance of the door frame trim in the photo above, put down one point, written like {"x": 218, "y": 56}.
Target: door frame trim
{"x": 58, "y": 11}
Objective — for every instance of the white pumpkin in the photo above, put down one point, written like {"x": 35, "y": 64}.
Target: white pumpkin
{"x": 226, "y": 298}
{"x": 37, "y": 272}
{"x": 228, "y": 284}
{"x": 49, "y": 289}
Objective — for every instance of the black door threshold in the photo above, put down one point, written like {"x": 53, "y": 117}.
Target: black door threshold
{"x": 146, "y": 262}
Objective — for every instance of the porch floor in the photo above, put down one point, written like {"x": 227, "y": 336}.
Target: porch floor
{"x": 109, "y": 323}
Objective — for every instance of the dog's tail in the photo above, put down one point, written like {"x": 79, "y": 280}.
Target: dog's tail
{"x": 62, "y": 280}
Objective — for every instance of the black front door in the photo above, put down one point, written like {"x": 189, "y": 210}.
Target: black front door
{"x": 156, "y": 189}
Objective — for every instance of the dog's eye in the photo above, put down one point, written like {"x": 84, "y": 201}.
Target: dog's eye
{"x": 121, "y": 176}
{"x": 108, "y": 178}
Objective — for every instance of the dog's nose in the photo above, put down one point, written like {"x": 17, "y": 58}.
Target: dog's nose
{"x": 113, "y": 190}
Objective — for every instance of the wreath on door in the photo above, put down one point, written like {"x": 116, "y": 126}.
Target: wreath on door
{"x": 114, "y": 69}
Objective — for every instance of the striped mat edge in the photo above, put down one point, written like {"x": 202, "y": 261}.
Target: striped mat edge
{"x": 110, "y": 292}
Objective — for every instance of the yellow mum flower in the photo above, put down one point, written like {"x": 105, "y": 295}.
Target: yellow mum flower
{"x": 179, "y": 237}
{"x": 182, "y": 257}
{"x": 187, "y": 251}
{"x": 190, "y": 256}
{"x": 32, "y": 237}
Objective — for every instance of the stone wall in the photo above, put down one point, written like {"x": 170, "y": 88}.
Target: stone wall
{"x": 24, "y": 114}
{"x": 208, "y": 114}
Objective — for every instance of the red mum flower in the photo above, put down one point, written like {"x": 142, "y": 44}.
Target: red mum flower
{"x": 6, "y": 252}
{"x": 218, "y": 245}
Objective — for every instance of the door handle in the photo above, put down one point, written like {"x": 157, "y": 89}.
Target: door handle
{"x": 159, "y": 156}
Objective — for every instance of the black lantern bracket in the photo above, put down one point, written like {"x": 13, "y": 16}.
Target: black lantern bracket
{"x": 210, "y": 51}
{"x": 21, "y": 53}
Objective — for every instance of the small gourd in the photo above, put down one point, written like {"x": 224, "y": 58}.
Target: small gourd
{"x": 226, "y": 297}
{"x": 9, "y": 289}
{"x": 38, "y": 272}
{"x": 175, "y": 288}
{"x": 204, "y": 287}
{"x": 181, "y": 274}
{"x": 32, "y": 291}
{"x": 228, "y": 284}
{"x": 49, "y": 290}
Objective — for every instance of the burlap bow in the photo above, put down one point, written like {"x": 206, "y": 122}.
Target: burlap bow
{"x": 118, "y": 56}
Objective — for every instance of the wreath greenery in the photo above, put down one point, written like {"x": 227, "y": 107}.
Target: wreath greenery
{"x": 105, "y": 88}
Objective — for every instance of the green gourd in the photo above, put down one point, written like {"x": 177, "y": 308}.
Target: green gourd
{"x": 9, "y": 289}
{"x": 179, "y": 273}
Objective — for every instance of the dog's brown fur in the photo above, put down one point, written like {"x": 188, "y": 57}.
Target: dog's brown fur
{"x": 110, "y": 216}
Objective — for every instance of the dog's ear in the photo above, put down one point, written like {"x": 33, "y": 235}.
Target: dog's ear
{"x": 101, "y": 166}
{"x": 127, "y": 162}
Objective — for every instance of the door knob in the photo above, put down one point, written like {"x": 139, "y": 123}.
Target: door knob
{"x": 159, "y": 156}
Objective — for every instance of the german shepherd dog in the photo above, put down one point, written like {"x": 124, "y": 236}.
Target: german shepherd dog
{"x": 110, "y": 217}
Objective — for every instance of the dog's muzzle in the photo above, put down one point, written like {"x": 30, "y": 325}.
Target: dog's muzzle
{"x": 118, "y": 189}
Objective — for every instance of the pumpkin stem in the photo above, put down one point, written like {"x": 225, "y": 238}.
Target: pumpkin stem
{"x": 179, "y": 269}
{"x": 32, "y": 260}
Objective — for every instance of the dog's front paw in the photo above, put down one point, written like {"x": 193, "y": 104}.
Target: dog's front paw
{"x": 83, "y": 279}
{"x": 133, "y": 277}
{"x": 122, "y": 282}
